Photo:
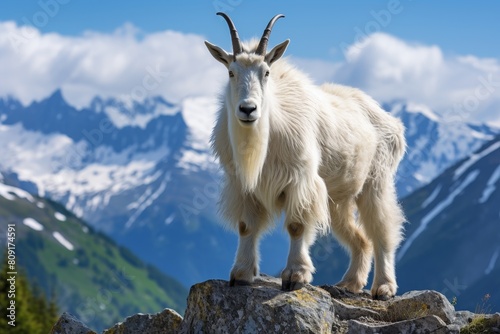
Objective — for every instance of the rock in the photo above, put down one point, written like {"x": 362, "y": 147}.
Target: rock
{"x": 349, "y": 312}
{"x": 496, "y": 320}
{"x": 415, "y": 304}
{"x": 165, "y": 322}
{"x": 350, "y": 306}
{"x": 483, "y": 323}
{"x": 427, "y": 324}
{"x": 412, "y": 312}
{"x": 463, "y": 318}
{"x": 68, "y": 324}
{"x": 214, "y": 307}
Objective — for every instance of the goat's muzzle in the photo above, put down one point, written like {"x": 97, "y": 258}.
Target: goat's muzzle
{"x": 247, "y": 113}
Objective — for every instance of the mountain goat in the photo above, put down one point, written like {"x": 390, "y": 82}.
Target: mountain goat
{"x": 314, "y": 153}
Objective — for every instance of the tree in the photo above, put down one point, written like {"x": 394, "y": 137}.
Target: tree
{"x": 33, "y": 313}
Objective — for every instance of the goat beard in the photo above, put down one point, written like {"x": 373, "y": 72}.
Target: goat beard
{"x": 249, "y": 147}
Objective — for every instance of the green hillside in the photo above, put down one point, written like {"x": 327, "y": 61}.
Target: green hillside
{"x": 92, "y": 277}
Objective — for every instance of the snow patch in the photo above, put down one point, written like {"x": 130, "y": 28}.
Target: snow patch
{"x": 199, "y": 114}
{"x": 170, "y": 219}
{"x": 63, "y": 241}
{"x": 148, "y": 200}
{"x": 474, "y": 158}
{"x": 420, "y": 177}
{"x": 60, "y": 216}
{"x": 32, "y": 223}
{"x": 8, "y": 193}
{"x": 121, "y": 117}
{"x": 436, "y": 211}
{"x": 422, "y": 109}
{"x": 490, "y": 186}
{"x": 432, "y": 197}
{"x": 481, "y": 136}
{"x": 40, "y": 205}
{"x": 491, "y": 264}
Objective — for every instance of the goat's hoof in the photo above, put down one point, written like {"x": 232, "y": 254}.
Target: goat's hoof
{"x": 382, "y": 297}
{"x": 242, "y": 276}
{"x": 353, "y": 286}
{"x": 291, "y": 285}
{"x": 238, "y": 282}
{"x": 384, "y": 292}
{"x": 295, "y": 278}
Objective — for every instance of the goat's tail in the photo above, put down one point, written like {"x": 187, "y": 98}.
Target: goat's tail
{"x": 392, "y": 144}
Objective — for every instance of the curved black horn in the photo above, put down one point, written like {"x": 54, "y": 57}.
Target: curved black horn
{"x": 261, "y": 49}
{"x": 237, "y": 49}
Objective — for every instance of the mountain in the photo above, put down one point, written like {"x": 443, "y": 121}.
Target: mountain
{"x": 452, "y": 241}
{"x": 433, "y": 143}
{"x": 91, "y": 275}
{"x": 143, "y": 173}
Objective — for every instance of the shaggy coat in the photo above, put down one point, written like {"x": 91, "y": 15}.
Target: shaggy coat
{"x": 316, "y": 153}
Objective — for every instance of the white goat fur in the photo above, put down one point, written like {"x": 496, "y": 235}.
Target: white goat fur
{"x": 315, "y": 153}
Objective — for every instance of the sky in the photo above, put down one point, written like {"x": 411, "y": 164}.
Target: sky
{"x": 443, "y": 54}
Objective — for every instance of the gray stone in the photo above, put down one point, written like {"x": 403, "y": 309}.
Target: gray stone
{"x": 348, "y": 312}
{"x": 463, "y": 318}
{"x": 68, "y": 324}
{"x": 166, "y": 322}
{"x": 427, "y": 324}
{"x": 496, "y": 319}
{"x": 214, "y": 307}
{"x": 422, "y": 303}
{"x": 483, "y": 323}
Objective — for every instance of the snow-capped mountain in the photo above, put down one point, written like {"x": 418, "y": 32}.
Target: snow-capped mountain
{"x": 434, "y": 143}
{"x": 91, "y": 276}
{"x": 452, "y": 240}
{"x": 144, "y": 174}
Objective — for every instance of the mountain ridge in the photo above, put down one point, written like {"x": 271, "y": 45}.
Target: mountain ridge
{"x": 90, "y": 275}
{"x": 157, "y": 181}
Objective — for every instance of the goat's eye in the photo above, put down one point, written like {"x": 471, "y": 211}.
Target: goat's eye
{"x": 267, "y": 73}
{"x": 231, "y": 74}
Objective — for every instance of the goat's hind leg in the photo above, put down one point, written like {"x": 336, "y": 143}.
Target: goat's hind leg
{"x": 382, "y": 218}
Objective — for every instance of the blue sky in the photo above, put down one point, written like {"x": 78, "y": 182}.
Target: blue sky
{"x": 443, "y": 54}
{"x": 316, "y": 28}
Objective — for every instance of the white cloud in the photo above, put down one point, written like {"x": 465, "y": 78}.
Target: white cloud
{"x": 177, "y": 65}
{"x": 388, "y": 68}
{"x": 167, "y": 63}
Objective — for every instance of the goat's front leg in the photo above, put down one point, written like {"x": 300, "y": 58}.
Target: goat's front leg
{"x": 246, "y": 264}
{"x": 299, "y": 268}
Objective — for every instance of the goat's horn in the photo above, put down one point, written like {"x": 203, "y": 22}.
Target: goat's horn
{"x": 261, "y": 49}
{"x": 237, "y": 49}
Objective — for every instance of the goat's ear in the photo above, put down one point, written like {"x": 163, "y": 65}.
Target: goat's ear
{"x": 276, "y": 52}
{"x": 219, "y": 54}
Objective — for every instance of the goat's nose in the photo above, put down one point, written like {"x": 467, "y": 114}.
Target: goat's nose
{"x": 247, "y": 108}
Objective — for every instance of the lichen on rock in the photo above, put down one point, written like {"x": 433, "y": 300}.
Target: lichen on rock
{"x": 262, "y": 307}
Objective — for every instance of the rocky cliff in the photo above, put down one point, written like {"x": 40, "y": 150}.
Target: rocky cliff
{"x": 214, "y": 307}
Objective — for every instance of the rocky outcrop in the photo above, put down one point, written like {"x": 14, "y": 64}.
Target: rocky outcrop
{"x": 214, "y": 307}
{"x": 167, "y": 321}
{"x": 67, "y": 324}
